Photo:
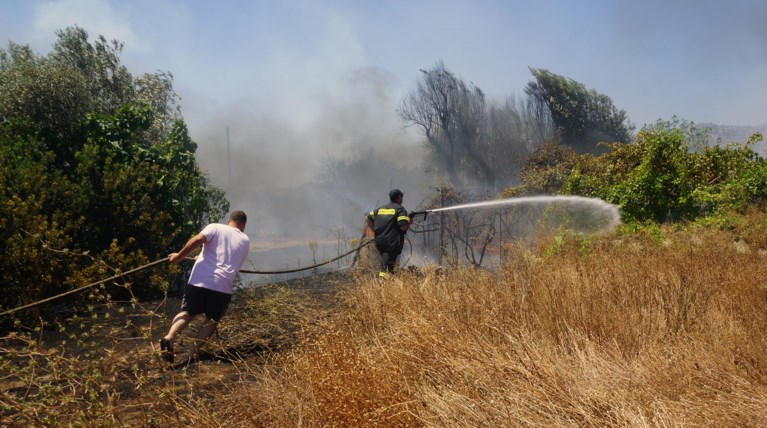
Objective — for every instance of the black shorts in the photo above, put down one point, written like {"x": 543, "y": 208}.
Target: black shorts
{"x": 198, "y": 300}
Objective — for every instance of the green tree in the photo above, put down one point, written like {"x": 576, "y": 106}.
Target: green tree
{"x": 733, "y": 176}
{"x": 154, "y": 191}
{"x": 33, "y": 209}
{"x": 697, "y": 137}
{"x": 657, "y": 178}
{"x": 97, "y": 163}
{"x": 43, "y": 98}
{"x": 659, "y": 188}
{"x": 52, "y": 95}
{"x": 108, "y": 82}
{"x": 583, "y": 117}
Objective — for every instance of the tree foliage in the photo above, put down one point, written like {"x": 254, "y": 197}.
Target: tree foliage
{"x": 657, "y": 178}
{"x": 99, "y": 170}
{"x": 583, "y": 117}
{"x": 697, "y": 137}
{"x": 476, "y": 142}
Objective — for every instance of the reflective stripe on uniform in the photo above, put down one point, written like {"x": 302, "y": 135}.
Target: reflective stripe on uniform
{"x": 403, "y": 218}
{"x": 387, "y": 211}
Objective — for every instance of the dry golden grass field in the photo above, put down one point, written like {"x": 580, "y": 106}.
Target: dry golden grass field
{"x": 618, "y": 330}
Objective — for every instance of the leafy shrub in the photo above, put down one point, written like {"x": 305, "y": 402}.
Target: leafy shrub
{"x": 657, "y": 178}
{"x": 99, "y": 170}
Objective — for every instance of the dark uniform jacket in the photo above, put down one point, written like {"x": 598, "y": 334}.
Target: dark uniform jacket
{"x": 387, "y": 221}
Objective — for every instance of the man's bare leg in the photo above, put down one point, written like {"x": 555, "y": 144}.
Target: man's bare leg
{"x": 203, "y": 334}
{"x": 179, "y": 323}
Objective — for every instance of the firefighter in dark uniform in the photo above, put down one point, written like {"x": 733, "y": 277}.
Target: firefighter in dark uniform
{"x": 388, "y": 225}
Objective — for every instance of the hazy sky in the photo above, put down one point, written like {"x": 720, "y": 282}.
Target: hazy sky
{"x": 701, "y": 60}
{"x": 331, "y": 73}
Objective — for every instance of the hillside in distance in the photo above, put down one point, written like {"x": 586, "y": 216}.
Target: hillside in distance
{"x": 724, "y": 134}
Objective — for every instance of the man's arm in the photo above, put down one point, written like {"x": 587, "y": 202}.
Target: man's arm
{"x": 190, "y": 246}
{"x": 402, "y": 218}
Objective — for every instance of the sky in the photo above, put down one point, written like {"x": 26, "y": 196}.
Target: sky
{"x": 296, "y": 82}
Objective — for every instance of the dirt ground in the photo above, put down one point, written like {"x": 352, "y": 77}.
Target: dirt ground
{"x": 114, "y": 347}
{"x": 261, "y": 323}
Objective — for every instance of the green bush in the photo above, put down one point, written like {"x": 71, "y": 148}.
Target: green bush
{"x": 657, "y": 178}
{"x": 99, "y": 171}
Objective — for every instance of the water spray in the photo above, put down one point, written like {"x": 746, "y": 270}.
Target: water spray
{"x": 611, "y": 211}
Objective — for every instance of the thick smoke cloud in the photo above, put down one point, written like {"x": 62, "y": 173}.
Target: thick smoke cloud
{"x": 277, "y": 166}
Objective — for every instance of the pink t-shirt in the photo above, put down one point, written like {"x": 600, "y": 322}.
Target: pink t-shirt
{"x": 221, "y": 258}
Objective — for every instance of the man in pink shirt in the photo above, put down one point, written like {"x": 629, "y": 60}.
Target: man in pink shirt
{"x": 209, "y": 288}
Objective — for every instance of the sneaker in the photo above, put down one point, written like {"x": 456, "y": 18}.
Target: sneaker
{"x": 166, "y": 350}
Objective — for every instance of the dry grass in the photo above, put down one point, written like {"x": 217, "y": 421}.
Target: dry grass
{"x": 619, "y": 332}
{"x": 614, "y": 331}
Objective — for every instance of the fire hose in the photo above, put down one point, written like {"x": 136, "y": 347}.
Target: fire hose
{"x": 266, "y": 272}
{"x": 84, "y": 287}
{"x": 165, "y": 259}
